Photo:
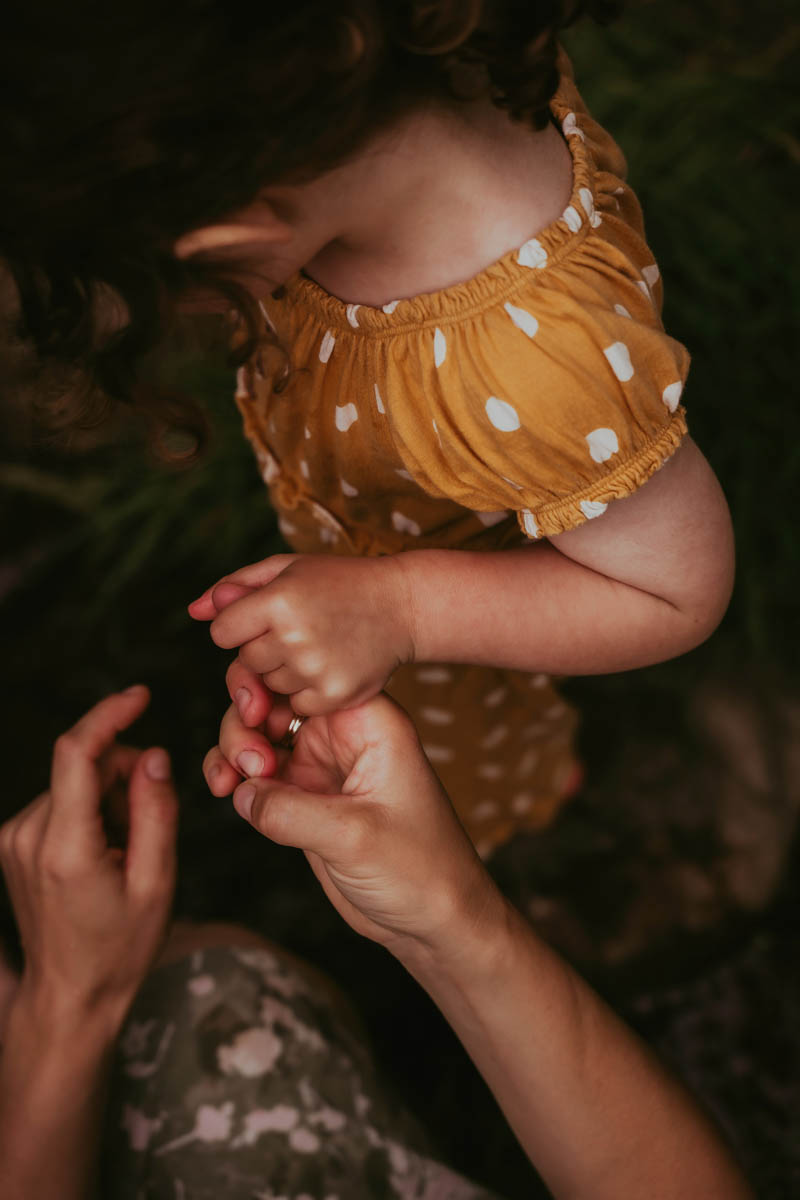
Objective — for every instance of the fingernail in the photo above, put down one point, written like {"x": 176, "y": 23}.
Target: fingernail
{"x": 250, "y": 763}
{"x": 157, "y": 765}
{"x": 243, "y": 799}
{"x": 242, "y": 698}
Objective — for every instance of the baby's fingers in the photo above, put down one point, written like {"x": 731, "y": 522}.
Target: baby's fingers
{"x": 212, "y": 602}
{"x": 249, "y": 693}
{"x": 220, "y": 776}
{"x": 254, "y": 575}
{"x": 242, "y": 752}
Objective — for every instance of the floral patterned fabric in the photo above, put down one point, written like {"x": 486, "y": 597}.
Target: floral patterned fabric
{"x": 238, "y": 1079}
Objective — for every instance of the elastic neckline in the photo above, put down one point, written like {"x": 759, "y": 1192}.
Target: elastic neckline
{"x": 490, "y": 286}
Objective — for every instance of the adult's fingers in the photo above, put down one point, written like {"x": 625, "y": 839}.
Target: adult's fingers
{"x": 335, "y": 827}
{"x": 248, "y": 692}
{"x": 254, "y": 575}
{"x": 21, "y": 835}
{"x": 74, "y": 823}
{"x": 153, "y": 817}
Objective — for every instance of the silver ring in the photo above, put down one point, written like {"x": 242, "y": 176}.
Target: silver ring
{"x": 290, "y": 737}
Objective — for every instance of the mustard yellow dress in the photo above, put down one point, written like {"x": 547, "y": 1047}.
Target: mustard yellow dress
{"x": 511, "y": 407}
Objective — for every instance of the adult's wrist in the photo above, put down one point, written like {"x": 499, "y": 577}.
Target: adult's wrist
{"x": 404, "y": 566}
{"x": 469, "y": 943}
{"x": 60, "y": 1017}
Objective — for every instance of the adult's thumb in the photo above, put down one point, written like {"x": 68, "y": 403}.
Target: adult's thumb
{"x": 289, "y": 815}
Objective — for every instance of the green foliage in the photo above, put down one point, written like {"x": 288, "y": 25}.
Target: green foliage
{"x": 705, "y": 105}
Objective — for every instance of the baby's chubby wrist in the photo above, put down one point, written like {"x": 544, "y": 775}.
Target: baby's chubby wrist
{"x": 399, "y": 574}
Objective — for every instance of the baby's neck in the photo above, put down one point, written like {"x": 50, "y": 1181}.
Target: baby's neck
{"x": 437, "y": 200}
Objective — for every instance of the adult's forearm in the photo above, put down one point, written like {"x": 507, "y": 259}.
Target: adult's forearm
{"x": 535, "y": 609}
{"x": 594, "y": 1111}
{"x": 53, "y": 1076}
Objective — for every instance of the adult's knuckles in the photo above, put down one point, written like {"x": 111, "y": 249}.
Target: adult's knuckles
{"x": 66, "y": 747}
{"x": 58, "y": 867}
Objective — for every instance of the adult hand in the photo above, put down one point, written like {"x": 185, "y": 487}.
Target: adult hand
{"x": 327, "y": 631}
{"x": 359, "y": 797}
{"x": 92, "y": 917}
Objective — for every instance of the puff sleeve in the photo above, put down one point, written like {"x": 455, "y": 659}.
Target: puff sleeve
{"x": 552, "y": 401}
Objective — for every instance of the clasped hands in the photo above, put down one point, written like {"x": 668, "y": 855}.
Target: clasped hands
{"x": 324, "y": 631}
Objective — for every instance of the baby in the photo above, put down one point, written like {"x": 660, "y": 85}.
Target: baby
{"x": 454, "y": 376}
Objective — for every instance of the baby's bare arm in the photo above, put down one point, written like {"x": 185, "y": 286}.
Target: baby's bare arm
{"x": 648, "y": 580}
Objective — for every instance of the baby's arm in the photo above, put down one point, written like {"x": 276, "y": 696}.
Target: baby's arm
{"x": 648, "y": 580}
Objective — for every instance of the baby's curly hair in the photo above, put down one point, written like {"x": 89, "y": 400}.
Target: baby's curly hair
{"x": 126, "y": 125}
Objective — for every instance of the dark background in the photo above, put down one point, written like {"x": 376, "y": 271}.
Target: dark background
{"x": 670, "y": 880}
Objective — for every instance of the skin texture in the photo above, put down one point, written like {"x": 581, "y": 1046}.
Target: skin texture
{"x": 596, "y": 1114}
{"x": 92, "y": 919}
{"x": 647, "y": 581}
{"x": 594, "y": 1111}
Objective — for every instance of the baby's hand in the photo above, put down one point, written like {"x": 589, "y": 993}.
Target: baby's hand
{"x": 326, "y": 631}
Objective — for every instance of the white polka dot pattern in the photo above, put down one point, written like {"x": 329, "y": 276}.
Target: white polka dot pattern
{"x": 572, "y": 218}
{"x": 532, "y": 254}
{"x": 523, "y": 319}
{"x": 672, "y": 394}
{"x": 346, "y": 414}
{"x": 619, "y": 358}
{"x": 378, "y": 400}
{"x": 326, "y": 348}
{"x": 502, "y": 415}
{"x": 622, "y": 311}
{"x": 570, "y": 127}
{"x": 390, "y": 307}
{"x": 529, "y": 523}
{"x": 603, "y": 443}
{"x": 404, "y": 524}
{"x": 351, "y": 311}
{"x": 651, "y": 274}
{"x": 348, "y": 489}
{"x": 436, "y": 716}
{"x": 592, "y": 508}
{"x": 439, "y": 347}
{"x": 494, "y": 737}
{"x": 434, "y": 674}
